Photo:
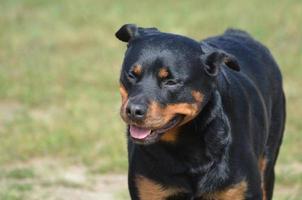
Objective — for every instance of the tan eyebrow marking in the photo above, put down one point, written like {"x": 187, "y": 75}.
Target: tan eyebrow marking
{"x": 163, "y": 73}
{"x": 137, "y": 70}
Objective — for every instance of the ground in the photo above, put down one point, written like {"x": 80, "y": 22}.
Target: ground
{"x": 50, "y": 179}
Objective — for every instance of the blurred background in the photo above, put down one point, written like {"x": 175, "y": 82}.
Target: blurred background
{"x": 61, "y": 136}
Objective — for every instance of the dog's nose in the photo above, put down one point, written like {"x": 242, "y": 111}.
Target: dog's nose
{"x": 136, "y": 111}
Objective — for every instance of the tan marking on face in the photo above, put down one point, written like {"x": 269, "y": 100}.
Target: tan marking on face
{"x": 190, "y": 110}
{"x": 262, "y": 166}
{"x": 198, "y": 96}
{"x": 235, "y": 192}
{"x": 170, "y": 136}
{"x": 163, "y": 73}
{"x": 159, "y": 116}
{"x": 150, "y": 190}
{"x": 182, "y": 108}
{"x": 137, "y": 70}
{"x": 124, "y": 95}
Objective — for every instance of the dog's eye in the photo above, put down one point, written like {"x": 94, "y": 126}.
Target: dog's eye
{"x": 171, "y": 83}
{"x": 131, "y": 75}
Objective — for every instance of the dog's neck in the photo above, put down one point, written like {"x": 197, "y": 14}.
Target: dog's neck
{"x": 213, "y": 128}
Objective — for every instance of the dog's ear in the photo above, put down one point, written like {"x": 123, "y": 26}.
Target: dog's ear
{"x": 127, "y": 32}
{"x": 130, "y": 31}
{"x": 213, "y": 59}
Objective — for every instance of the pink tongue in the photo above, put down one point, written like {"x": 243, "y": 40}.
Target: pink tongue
{"x": 139, "y": 133}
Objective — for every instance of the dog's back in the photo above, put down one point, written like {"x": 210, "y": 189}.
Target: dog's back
{"x": 254, "y": 96}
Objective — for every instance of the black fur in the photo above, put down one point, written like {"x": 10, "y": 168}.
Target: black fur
{"x": 242, "y": 115}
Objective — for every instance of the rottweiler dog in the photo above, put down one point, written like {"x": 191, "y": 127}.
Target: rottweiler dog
{"x": 204, "y": 119}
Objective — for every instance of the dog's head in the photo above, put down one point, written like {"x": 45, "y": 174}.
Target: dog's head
{"x": 165, "y": 81}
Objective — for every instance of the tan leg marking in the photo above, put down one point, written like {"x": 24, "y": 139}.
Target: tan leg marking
{"x": 150, "y": 190}
{"x": 262, "y": 166}
{"x": 235, "y": 192}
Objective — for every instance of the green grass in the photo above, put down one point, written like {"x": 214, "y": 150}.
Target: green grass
{"x": 21, "y": 173}
{"x": 60, "y": 62}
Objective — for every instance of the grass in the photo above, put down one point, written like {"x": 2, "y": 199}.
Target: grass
{"x": 59, "y": 68}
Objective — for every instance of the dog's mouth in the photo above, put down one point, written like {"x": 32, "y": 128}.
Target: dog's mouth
{"x": 148, "y": 135}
